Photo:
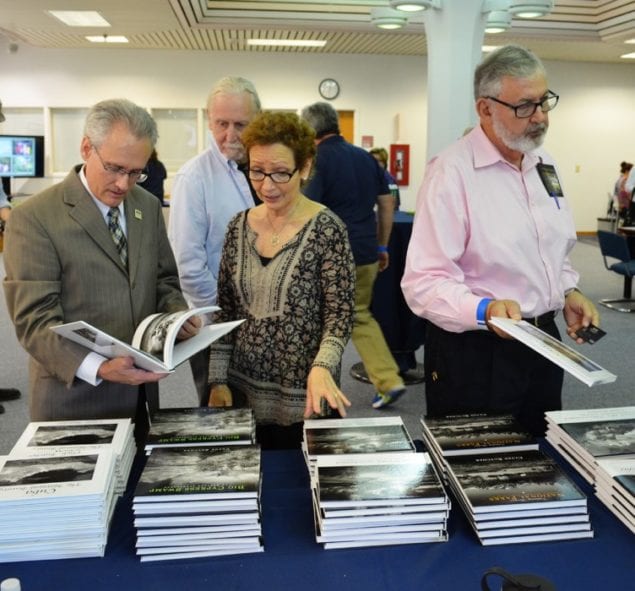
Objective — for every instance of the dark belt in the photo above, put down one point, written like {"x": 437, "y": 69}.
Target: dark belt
{"x": 541, "y": 320}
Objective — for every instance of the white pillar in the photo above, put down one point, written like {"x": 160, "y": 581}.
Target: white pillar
{"x": 454, "y": 35}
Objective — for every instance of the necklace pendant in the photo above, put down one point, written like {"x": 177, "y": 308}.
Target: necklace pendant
{"x": 275, "y": 238}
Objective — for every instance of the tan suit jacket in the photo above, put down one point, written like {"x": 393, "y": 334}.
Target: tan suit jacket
{"x": 62, "y": 265}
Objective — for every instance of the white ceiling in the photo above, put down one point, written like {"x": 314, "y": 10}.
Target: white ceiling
{"x": 576, "y": 30}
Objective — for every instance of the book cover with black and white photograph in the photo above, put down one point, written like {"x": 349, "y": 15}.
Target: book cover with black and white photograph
{"x": 478, "y": 433}
{"x": 377, "y": 479}
{"x": 48, "y": 479}
{"x": 73, "y": 437}
{"x": 512, "y": 482}
{"x": 354, "y": 436}
{"x": 200, "y": 473}
{"x": 584, "y": 436}
{"x": 201, "y": 426}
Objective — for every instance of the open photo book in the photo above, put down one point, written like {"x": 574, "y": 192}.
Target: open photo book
{"x": 154, "y": 346}
{"x": 566, "y": 357}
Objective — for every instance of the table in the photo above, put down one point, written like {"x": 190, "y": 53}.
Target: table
{"x": 293, "y": 560}
{"x": 404, "y": 331}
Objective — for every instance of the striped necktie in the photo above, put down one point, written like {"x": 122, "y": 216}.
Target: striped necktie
{"x": 117, "y": 234}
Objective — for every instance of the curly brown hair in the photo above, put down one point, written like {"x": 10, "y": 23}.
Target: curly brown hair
{"x": 276, "y": 127}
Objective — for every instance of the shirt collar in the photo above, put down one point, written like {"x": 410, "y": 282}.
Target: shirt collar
{"x": 487, "y": 154}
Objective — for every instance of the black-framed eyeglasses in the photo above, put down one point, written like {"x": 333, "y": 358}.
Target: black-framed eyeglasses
{"x": 135, "y": 176}
{"x": 526, "y": 110}
{"x": 277, "y": 177}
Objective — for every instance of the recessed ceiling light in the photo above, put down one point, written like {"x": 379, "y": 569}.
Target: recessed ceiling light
{"x": 80, "y": 18}
{"x": 287, "y": 42}
{"x": 488, "y": 48}
{"x": 630, "y": 41}
{"x": 628, "y": 56}
{"x": 107, "y": 38}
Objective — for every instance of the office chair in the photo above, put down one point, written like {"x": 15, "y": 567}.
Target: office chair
{"x": 614, "y": 246}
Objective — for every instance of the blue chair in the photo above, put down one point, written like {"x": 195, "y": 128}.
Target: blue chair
{"x": 614, "y": 246}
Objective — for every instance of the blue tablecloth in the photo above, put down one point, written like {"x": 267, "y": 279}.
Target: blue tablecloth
{"x": 293, "y": 560}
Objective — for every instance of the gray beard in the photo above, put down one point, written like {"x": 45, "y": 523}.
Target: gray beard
{"x": 523, "y": 143}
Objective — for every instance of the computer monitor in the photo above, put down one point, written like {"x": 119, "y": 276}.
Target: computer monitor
{"x": 21, "y": 156}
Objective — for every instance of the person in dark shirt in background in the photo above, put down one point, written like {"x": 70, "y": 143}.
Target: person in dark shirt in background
{"x": 156, "y": 175}
{"x": 350, "y": 182}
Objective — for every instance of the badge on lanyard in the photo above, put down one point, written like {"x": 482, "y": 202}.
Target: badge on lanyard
{"x": 550, "y": 180}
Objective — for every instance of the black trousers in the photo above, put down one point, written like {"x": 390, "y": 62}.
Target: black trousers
{"x": 478, "y": 371}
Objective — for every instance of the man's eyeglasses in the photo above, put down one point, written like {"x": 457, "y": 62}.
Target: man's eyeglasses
{"x": 277, "y": 177}
{"x": 526, "y": 110}
{"x": 135, "y": 176}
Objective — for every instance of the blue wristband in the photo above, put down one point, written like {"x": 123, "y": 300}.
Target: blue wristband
{"x": 481, "y": 310}
{"x": 382, "y": 249}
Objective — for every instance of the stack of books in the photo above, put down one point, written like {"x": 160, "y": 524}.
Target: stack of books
{"x": 600, "y": 445}
{"x": 174, "y": 427}
{"x": 473, "y": 433}
{"x": 509, "y": 490}
{"x": 198, "y": 501}
{"x": 369, "y": 485}
{"x": 517, "y": 497}
{"x": 615, "y": 487}
{"x": 56, "y": 506}
{"x": 58, "y": 438}
{"x": 378, "y": 499}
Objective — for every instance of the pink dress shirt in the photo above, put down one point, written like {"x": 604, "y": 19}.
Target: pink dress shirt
{"x": 484, "y": 229}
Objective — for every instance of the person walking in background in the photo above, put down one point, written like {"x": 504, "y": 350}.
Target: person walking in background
{"x": 207, "y": 192}
{"x": 381, "y": 155}
{"x": 491, "y": 237}
{"x": 156, "y": 174}
{"x": 286, "y": 268}
{"x": 94, "y": 248}
{"x": 350, "y": 182}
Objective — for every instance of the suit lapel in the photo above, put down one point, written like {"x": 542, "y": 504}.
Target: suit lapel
{"x": 135, "y": 223}
{"x": 84, "y": 211}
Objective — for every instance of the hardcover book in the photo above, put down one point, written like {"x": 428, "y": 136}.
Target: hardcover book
{"x": 512, "y": 482}
{"x": 377, "y": 479}
{"x": 356, "y": 436}
{"x": 476, "y": 433}
{"x": 154, "y": 346}
{"x": 569, "y": 359}
{"x": 200, "y": 473}
{"x": 203, "y": 426}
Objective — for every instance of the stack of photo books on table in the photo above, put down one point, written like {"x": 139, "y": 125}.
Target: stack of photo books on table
{"x": 518, "y": 496}
{"x": 58, "y": 438}
{"x": 615, "y": 487}
{"x": 206, "y": 426}
{"x": 369, "y": 485}
{"x": 378, "y": 499}
{"x": 473, "y": 433}
{"x": 56, "y": 506}
{"x": 509, "y": 490}
{"x": 198, "y": 501}
{"x": 600, "y": 444}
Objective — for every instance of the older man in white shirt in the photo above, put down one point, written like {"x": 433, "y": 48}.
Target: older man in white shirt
{"x": 206, "y": 194}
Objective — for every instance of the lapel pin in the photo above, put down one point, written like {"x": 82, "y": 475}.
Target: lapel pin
{"x": 138, "y": 214}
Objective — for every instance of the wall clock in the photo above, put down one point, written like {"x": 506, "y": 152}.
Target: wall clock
{"x": 329, "y": 89}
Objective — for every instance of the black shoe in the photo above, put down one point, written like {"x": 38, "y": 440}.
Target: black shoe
{"x": 1, "y": 409}
{"x": 9, "y": 394}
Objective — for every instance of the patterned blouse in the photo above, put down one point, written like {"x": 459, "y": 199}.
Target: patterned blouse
{"x": 298, "y": 307}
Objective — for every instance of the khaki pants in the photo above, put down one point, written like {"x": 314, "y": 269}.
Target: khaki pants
{"x": 367, "y": 336}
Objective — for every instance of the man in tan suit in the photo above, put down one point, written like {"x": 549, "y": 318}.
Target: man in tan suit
{"x": 62, "y": 264}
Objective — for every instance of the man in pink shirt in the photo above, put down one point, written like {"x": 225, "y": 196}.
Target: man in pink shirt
{"x": 491, "y": 238}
